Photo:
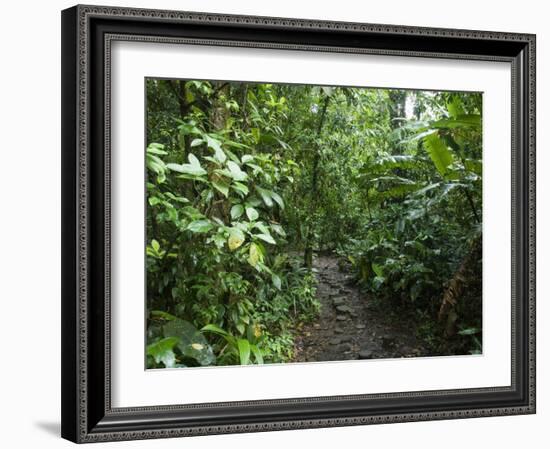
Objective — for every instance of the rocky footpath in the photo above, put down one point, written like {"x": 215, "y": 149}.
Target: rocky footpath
{"x": 349, "y": 327}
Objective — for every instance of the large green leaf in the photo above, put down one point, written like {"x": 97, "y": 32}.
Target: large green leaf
{"x": 155, "y": 163}
{"x": 244, "y": 351}
{"x": 455, "y": 107}
{"x": 266, "y": 196}
{"x": 439, "y": 153}
{"x": 191, "y": 342}
{"x": 199, "y": 226}
{"x": 377, "y": 269}
{"x": 196, "y": 142}
{"x": 257, "y": 354}
{"x": 236, "y": 211}
{"x": 276, "y": 281}
{"x": 252, "y": 213}
{"x": 189, "y": 128}
{"x": 216, "y": 145}
{"x": 179, "y": 199}
{"x": 163, "y": 351}
{"x": 262, "y": 227}
{"x": 266, "y": 238}
{"x": 215, "y": 329}
{"x": 187, "y": 169}
{"x": 235, "y": 171}
{"x": 278, "y": 229}
{"x": 156, "y": 148}
{"x": 192, "y": 212}
{"x": 277, "y": 198}
{"x": 222, "y": 187}
{"x": 193, "y": 168}
{"x": 240, "y": 187}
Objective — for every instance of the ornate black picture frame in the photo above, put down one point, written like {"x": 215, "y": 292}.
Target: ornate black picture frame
{"x": 87, "y": 34}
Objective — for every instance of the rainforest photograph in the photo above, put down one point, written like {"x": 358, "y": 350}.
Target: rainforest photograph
{"x": 294, "y": 223}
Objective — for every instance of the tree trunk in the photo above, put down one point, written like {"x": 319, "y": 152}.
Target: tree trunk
{"x": 459, "y": 285}
{"x": 181, "y": 95}
{"x": 219, "y": 115}
{"x": 308, "y": 253}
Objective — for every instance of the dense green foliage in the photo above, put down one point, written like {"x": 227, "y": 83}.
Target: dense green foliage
{"x": 245, "y": 182}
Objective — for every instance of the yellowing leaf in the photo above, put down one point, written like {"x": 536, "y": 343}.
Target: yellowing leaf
{"x": 253, "y": 255}
{"x": 197, "y": 346}
{"x": 234, "y": 242}
{"x": 257, "y": 331}
{"x": 236, "y": 238}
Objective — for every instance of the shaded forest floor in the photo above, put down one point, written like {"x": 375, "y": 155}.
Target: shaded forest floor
{"x": 350, "y": 326}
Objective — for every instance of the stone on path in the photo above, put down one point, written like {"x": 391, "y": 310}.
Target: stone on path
{"x": 387, "y": 341}
{"x": 341, "y": 317}
{"x": 338, "y": 301}
{"x": 344, "y": 308}
{"x": 338, "y": 330}
{"x": 335, "y": 341}
{"x": 349, "y": 279}
{"x": 360, "y": 326}
{"x": 345, "y": 347}
{"x": 365, "y": 354}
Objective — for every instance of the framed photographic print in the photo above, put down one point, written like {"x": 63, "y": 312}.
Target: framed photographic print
{"x": 277, "y": 224}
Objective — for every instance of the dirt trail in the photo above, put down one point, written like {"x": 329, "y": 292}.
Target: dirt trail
{"x": 348, "y": 326}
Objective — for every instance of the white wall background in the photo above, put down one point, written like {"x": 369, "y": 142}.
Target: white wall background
{"x": 30, "y": 223}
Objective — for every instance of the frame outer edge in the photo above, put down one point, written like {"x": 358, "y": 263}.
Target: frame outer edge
{"x": 69, "y": 310}
{"x": 532, "y": 143}
{"x": 83, "y": 168}
{"x": 75, "y": 246}
{"x": 295, "y": 23}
